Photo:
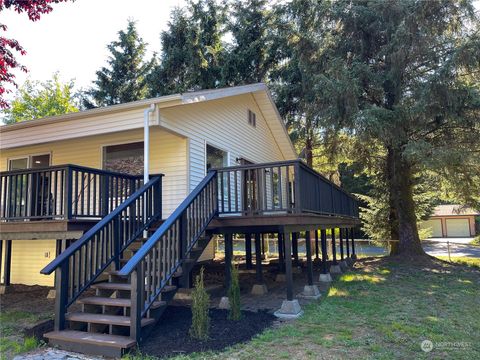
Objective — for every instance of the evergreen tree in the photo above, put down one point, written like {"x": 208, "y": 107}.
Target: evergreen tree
{"x": 403, "y": 77}
{"x": 247, "y": 59}
{"x": 207, "y": 48}
{"x": 173, "y": 73}
{"x": 125, "y": 77}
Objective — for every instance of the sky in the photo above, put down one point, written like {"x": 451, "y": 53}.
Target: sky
{"x": 72, "y": 39}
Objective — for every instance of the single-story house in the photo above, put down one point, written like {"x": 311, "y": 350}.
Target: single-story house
{"x": 126, "y": 199}
{"x": 451, "y": 221}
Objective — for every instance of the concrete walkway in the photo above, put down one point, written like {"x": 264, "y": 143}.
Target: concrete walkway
{"x": 54, "y": 354}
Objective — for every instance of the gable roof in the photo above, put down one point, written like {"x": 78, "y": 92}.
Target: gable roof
{"x": 454, "y": 210}
{"x": 259, "y": 91}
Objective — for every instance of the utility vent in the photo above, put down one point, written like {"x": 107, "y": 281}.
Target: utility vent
{"x": 252, "y": 118}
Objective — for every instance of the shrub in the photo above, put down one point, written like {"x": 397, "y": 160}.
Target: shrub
{"x": 476, "y": 241}
{"x": 234, "y": 295}
{"x": 200, "y": 304}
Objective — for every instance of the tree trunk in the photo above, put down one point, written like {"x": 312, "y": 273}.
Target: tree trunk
{"x": 309, "y": 151}
{"x": 392, "y": 216}
{"x": 401, "y": 189}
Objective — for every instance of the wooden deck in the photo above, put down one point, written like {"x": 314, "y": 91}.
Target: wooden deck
{"x": 45, "y": 229}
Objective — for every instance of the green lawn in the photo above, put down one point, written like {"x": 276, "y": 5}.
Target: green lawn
{"x": 382, "y": 310}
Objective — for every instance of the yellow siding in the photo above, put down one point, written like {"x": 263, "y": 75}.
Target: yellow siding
{"x": 28, "y": 258}
{"x": 168, "y": 155}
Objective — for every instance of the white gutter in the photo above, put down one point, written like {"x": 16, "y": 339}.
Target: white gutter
{"x": 146, "y": 142}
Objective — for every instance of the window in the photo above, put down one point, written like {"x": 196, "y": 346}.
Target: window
{"x": 124, "y": 158}
{"x": 252, "y": 118}
{"x": 30, "y": 162}
{"x": 216, "y": 158}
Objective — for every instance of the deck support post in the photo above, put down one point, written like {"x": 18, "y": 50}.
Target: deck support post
{"x": 347, "y": 234}
{"x": 308, "y": 246}
{"x": 281, "y": 258}
{"x": 7, "y": 264}
{"x": 334, "y": 267}
{"x": 343, "y": 262}
{"x": 317, "y": 252}
{"x": 340, "y": 239}
{"x": 228, "y": 259}
{"x": 259, "y": 288}
{"x": 352, "y": 234}
{"x": 288, "y": 266}
{"x": 294, "y": 242}
{"x": 325, "y": 275}
{"x": 248, "y": 251}
{"x": 290, "y": 308}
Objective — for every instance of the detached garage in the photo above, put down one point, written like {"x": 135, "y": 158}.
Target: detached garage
{"x": 451, "y": 221}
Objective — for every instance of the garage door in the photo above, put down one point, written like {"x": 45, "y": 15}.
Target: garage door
{"x": 458, "y": 228}
{"x": 435, "y": 226}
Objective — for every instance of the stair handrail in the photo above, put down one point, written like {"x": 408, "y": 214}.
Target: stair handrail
{"x": 128, "y": 268}
{"x": 55, "y": 263}
{"x": 153, "y": 266}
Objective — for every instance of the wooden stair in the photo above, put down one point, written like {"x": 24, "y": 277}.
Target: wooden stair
{"x": 102, "y": 327}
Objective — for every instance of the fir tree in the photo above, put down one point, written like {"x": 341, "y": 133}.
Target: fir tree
{"x": 125, "y": 77}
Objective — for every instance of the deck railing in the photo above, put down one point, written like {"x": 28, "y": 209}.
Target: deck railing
{"x": 155, "y": 263}
{"x": 280, "y": 187}
{"x": 81, "y": 263}
{"x": 63, "y": 192}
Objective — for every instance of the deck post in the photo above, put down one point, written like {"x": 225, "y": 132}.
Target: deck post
{"x": 281, "y": 257}
{"x": 295, "y": 248}
{"x": 258, "y": 259}
{"x": 248, "y": 250}
{"x": 61, "y": 295}
{"x": 228, "y": 259}
{"x": 308, "y": 246}
{"x": 137, "y": 280}
{"x": 334, "y": 248}
{"x": 325, "y": 275}
{"x": 347, "y": 234}
{"x": 316, "y": 245}
{"x": 341, "y": 243}
{"x": 288, "y": 266}
{"x": 259, "y": 288}
{"x": 352, "y": 234}
{"x": 290, "y": 308}
{"x": 7, "y": 265}
{"x": 334, "y": 267}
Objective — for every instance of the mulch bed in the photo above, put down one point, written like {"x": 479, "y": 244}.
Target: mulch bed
{"x": 170, "y": 336}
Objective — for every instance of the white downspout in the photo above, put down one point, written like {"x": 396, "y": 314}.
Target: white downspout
{"x": 146, "y": 142}
{"x": 146, "y": 151}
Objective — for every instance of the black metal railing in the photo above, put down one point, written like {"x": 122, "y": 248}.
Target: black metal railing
{"x": 153, "y": 266}
{"x": 81, "y": 263}
{"x": 280, "y": 187}
{"x": 63, "y": 192}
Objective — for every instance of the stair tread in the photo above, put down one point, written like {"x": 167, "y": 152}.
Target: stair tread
{"x": 112, "y": 286}
{"x": 117, "y": 341}
{"x": 105, "y": 319}
{"x": 98, "y": 300}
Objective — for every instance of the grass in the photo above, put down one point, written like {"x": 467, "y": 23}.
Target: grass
{"x": 383, "y": 310}
{"x": 12, "y": 324}
{"x": 463, "y": 260}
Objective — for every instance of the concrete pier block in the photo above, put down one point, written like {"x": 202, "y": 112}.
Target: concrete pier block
{"x": 335, "y": 269}
{"x": 290, "y": 310}
{"x": 259, "y": 289}
{"x": 310, "y": 292}
{"x": 325, "y": 277}
{"x": 224, "y": 303}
